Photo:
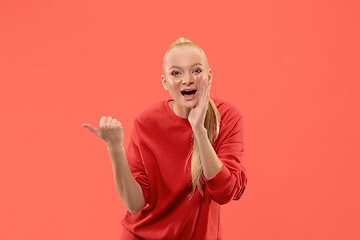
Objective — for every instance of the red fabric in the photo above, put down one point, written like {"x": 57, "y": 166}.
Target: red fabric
{"x": 159, "y": 146}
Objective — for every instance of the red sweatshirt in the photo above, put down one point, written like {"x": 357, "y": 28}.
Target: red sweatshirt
{"x": 159, "y": 145}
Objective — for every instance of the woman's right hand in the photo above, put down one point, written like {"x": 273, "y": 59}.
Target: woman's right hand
{"x": 110, "y": 131}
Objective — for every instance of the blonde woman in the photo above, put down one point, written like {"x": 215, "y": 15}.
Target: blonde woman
{"x": 184, "y": 157}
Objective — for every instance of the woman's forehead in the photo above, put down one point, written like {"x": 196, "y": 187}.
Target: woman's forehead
{"x": 184, "y": 55}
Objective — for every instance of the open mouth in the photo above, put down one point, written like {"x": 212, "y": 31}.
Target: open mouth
{"x": 184, "y": 93}
{"x": 189, "y": 95}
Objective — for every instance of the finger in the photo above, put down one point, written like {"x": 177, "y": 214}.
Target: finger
{"x": 206, "y": 83}
{"x": 198, "y": 78}
{"x": 197, "y": 90}
{"x": 199, "y": 86}
{"x": 102, "y": 122}
{"x": 209, "y": 87}
{"x": 118, "y": 123}
{"x": 108, "y": 120}
{"x": 207, "y": 92}
{"x": 201, "y": 100}
{"x": 91, "y": 128}
{"x": 204, "y": 88}
{"x": 113, "y": 122}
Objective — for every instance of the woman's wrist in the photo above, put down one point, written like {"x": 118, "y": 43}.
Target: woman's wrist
{"x": 200, "y": 131}
{"x": 116, "y": 147}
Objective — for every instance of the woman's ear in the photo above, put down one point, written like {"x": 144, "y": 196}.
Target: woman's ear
{"x": 164, "y": 83}
{"x": 210, "y": 76}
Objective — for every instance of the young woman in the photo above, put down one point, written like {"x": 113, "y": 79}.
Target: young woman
{"x": 184, "y": 158}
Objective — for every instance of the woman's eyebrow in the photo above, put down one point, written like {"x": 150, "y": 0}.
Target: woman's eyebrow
{"x": 180, "y": 67}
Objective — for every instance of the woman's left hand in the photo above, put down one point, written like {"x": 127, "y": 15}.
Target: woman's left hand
{"x": 198, "y": 113}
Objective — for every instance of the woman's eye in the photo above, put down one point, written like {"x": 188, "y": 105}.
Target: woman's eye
{"x": 174, "y": 73}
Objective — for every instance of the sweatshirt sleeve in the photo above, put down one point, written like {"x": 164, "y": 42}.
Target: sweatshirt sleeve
{"x": 136, "y": 162}
{"x": 229, "y": 183}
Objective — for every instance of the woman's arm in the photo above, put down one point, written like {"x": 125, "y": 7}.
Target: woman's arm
{"x": 223, "y": 171}
{"x": 126, "y": 186}
{"x": 210, "y": 162}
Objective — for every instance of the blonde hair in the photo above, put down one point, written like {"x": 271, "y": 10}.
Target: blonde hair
{"x": 211, "y": 123}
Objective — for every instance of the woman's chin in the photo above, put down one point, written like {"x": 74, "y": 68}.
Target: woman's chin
{"x": 187, "y": 103}
{"x": 190, "y": 103}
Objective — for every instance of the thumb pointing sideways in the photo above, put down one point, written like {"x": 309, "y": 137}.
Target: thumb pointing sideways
{"x": 91, "y": 128}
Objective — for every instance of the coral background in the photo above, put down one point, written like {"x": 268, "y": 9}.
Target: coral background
{"x": 292, "y": 67}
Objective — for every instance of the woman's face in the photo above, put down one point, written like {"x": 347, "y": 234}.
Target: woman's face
{"x": 182, "y": 66}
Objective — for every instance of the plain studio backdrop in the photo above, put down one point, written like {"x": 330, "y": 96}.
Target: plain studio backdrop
{"x": 292, "y": 67}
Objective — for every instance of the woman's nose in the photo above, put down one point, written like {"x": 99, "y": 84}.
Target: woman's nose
{"x": 187, "y": 79}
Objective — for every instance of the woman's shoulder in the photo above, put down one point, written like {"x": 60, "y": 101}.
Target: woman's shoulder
{"x": 151, "y": 112}
{"x": 228, "y": 110}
